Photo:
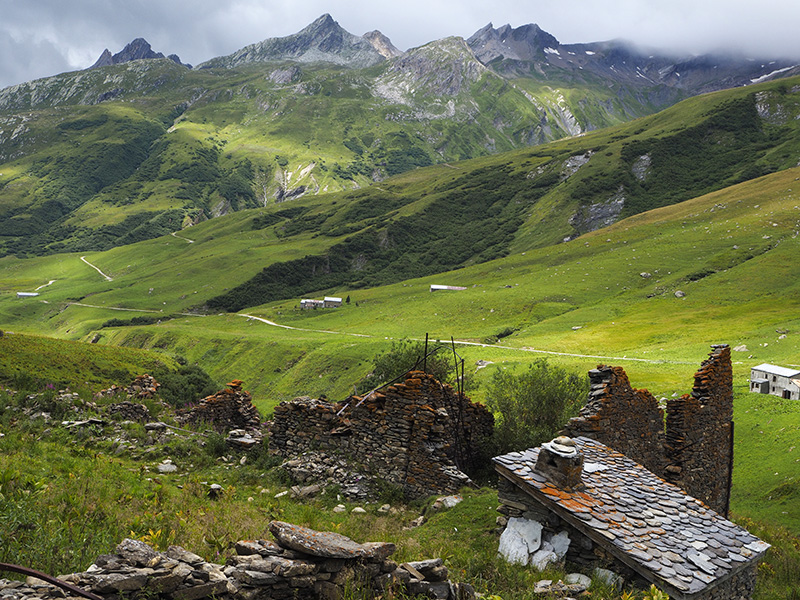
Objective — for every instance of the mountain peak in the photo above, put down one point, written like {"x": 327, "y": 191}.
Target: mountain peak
{"x": 321, "y": 25}
{"x": 527, "y": 42}
{"x": 322, "y": 41}
{"x": 138, "y": 49}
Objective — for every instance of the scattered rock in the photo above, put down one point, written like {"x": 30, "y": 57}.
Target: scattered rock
{"x": 446, "y": 502}
{"x": 167, "y": 467}
{"x": 680, "y": 294}
{"x": 741, "y": 348}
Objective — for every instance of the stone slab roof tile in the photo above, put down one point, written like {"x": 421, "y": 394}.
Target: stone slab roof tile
{"x": 670, "y": 538}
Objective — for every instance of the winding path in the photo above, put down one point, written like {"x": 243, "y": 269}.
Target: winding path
{"x": 481, "y": 345}
{"x": 83, "y": 258}
{"x": 51, "y": 282}
{"x": 173, "y": 234}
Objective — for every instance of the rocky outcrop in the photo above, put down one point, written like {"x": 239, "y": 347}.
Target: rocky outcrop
{"x": 525, "y": 43}
{"x": 441, "y": 69}
{"x": 382, "y": 44}
{"x": 138, "y": 49}
{"x": 301, "y": 564}
{"x": 324, "y": 40}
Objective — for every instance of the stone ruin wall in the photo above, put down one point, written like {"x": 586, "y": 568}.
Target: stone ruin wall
{"x": 692, "y": 450}
{"x": 227, "y": 409}
{"x": 419, "y": 434}
{"x": 699, "y": 433}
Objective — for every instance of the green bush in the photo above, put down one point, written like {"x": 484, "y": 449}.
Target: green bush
{"x": 407, "y": 355}
{"x": 186, "y": 385}
{"x": 530, "y": 407}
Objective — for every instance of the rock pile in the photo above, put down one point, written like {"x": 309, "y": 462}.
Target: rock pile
{"x": 129, "y": 411}
{"x": 420, "y": 435}
{"x": 300, "y": 564}
{"x": 142, "y": 387}
{"x": 228, "y": 409}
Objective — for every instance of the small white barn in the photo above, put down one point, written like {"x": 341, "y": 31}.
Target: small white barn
{"x": 775, "y": 380}
{"x": 437, "y": 288}
{"x": 332, "y": 302}
{"x": 27, "y": 294}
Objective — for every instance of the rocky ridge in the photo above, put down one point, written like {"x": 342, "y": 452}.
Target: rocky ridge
{"x": 324, "y": 40}
{"x": 138, "y": 49}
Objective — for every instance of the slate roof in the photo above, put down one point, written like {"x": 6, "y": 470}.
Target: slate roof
{"x": 669, "y": 538}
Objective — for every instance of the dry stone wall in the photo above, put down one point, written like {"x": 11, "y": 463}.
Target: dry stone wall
{"x": 231, "y": 408}
{"x": 692, "y": 449}
{"x": 301, "y": 564}
{"x": 420, "y": 434}
{"x": 699, "y": 433}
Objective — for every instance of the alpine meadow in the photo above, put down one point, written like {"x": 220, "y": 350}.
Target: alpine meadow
{"x": 520, "y": 204}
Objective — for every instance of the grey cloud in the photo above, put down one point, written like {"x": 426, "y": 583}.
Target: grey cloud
{"x": 44, "y": 37}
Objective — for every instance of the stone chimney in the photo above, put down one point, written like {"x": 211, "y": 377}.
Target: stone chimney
{"x": 561, "y": 463}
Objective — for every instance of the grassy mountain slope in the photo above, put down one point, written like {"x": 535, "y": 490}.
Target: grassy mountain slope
{"x": 489, "y": 224}
{"x": 737, "y": 282}
{"x": 166, "y": 147}
{"x": 731, "y": 253}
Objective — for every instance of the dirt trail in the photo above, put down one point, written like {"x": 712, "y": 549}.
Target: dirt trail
{"x": 173, "y": 234}
{"x": 83, "y": 258}
{"x": 462, "y": 343}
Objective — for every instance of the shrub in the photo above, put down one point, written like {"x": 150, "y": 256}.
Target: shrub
{"x": 186, "y": 385}
{"x": 404, "y": 356}
{"x": 530, "y": 407}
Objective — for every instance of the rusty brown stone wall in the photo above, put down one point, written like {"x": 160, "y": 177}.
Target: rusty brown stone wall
{"x": 699, "y": 433}
{"x": 623, "y": 418}
{"x": 420, "y": 434}
{"x": 228, "y": 409}
{"x": 692, "y": 449}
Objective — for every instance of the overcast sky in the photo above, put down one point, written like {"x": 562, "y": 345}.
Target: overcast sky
{"x": 45, "y": 37}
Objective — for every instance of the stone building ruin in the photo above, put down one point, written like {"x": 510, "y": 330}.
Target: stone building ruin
{"x": 420, "y": 434}
{"x": 691, "y": 446}
{"x": 581, "y": 501}
{"x": 638, "y": 487}
{"x": 231, "y": 408}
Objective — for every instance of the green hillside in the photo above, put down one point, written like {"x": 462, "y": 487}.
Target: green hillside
{"x": 118, "y": 154}
{"x": 495, "y": 225}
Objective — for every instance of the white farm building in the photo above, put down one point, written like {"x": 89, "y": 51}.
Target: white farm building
{"x": 775, "y": 380}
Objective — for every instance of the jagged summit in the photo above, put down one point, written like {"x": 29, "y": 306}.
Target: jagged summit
{"x": 382, "y": 44}
{"x": 527, "y": 42}
{"x": 138, "y": 49}
{"x": 324, "y": 40}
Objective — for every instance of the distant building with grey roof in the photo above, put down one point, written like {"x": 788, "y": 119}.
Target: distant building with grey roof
{"x": 777, "y": 381}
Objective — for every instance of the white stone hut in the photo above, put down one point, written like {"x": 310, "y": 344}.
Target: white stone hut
{"x": 332, "y": 302}
{"x": 308, "y": 303}
{"x": 775, "y": 380}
